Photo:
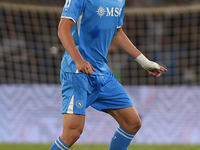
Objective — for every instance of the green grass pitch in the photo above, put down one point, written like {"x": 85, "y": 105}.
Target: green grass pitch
{"x": 98, "y": 147}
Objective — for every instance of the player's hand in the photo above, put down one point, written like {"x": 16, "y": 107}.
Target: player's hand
{"x": 157, "y": 72}
{"x": 85, "y": 67}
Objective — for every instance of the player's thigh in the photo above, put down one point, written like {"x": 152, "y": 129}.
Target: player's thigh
{"x": 127, "y": 118}
{"x": 73, "y": 122}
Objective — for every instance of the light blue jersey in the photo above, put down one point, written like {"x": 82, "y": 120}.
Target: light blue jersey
{"x": 93, "y": 38}
{"x": 96, "y": 22}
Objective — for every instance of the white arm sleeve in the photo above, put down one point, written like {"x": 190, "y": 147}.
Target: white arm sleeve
{"x": 147, "y": 64}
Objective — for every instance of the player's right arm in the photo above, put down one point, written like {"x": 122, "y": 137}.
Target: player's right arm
{"x": 66, "y": 38}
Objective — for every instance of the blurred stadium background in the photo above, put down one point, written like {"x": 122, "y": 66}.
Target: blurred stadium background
{"x": 166, "y": 31}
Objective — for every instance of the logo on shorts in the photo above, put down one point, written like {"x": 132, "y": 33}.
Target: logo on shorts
{"x": 79, "y": 104}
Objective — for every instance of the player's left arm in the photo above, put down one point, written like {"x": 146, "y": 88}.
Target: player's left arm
{"x": 123, "y": 43}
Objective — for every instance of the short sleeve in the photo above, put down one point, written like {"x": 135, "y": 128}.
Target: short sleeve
{"x": 121, "y": 18}
{"x": 73, "y": 9}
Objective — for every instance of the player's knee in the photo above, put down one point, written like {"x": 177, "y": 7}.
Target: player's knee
{"x": 75, "y": 135}
{"x": 134, "y": 126}
{"x": 71, "y": 136}
{"x": 137, "y": 125}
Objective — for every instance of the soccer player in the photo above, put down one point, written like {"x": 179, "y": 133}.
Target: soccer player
{"x": 86, "y": 29}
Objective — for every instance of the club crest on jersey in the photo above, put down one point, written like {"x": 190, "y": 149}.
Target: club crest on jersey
{"x": 67, "y": 4}
{"x": 113, "y": 12}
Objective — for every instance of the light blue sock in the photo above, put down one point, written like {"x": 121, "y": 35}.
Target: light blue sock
{"x": 121, "y": 140}
{"x": 59, "y": 145}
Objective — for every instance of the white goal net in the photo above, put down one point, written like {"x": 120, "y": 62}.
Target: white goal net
{"x": 30, "y": 51}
